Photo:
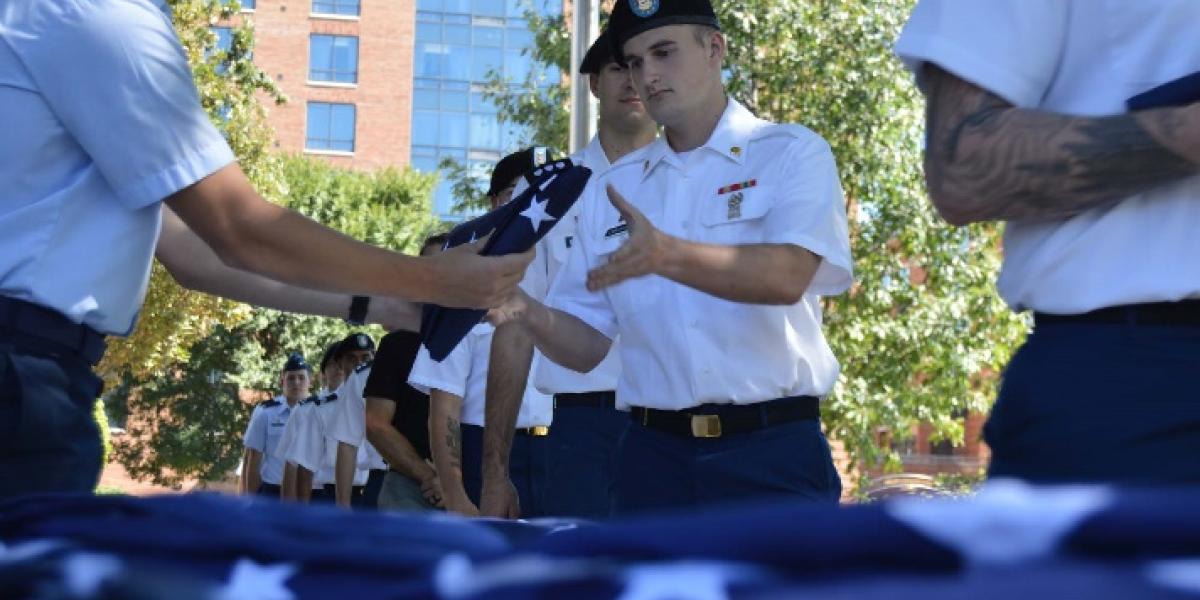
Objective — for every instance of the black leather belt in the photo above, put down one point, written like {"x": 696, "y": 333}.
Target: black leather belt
{"x": 24, "y": 319}
{"x": 717, "y": 420}
{"x": 1184, "y": 312}
{"x": 586, "y": 400}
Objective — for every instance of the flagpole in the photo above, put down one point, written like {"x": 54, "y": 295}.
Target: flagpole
{"x": 585, "y": 21}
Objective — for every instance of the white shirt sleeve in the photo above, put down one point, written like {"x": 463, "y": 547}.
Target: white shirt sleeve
{"x": 256, "y": 431}
{"x": 349, "y": 422}
{"x": 309, "y": 451}
{"x": 569, "y": 291}
{"x": 1011, "y": 48}
{"x": 287, "y": 441}
{"x": 449, "y": 376}
{"x": 117, "y": 78}
{"x": 809, "y": 211}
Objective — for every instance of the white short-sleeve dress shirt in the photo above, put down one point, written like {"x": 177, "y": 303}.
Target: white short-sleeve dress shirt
{"x": 753, "y": 182}
{"x": 464, "y": 374}
{"x": 101, "y": 123}
{"x": 1083, "y": 58}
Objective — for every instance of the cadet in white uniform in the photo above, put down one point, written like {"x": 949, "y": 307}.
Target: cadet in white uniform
{"x": 711, "y": 274}
{"x": 587, "y": 426}
{"x": 1049, "y": 116}
{"x": 359, "y": 468}
{"x": 262, "y": 464}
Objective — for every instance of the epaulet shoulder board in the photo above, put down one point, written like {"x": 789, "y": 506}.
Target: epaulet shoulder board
{"x": 270, "y": 403}
{"x": 312, "y": 400}
{"x": 364, "y": 366}
{"x": 329, "y": 398}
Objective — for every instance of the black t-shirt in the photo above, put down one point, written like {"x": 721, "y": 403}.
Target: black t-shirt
{"x": 389, "y": 380}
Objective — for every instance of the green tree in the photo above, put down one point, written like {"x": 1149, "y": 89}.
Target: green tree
{"x": 922, "y": 335}
{"x": 186, "y": 420}
{"x": 228, "y": 84}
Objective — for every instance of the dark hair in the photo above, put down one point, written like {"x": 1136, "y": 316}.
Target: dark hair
{"x": 333, "y": 352}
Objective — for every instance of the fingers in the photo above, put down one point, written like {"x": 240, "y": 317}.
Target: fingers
{"x": 618, "y": 201}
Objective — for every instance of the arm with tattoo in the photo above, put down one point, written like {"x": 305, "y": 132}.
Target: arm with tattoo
{"x": 987, "y": 160}
{"x": 445, "y": 443}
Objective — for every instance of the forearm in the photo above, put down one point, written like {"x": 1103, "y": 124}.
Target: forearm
{"x": 400, "y": 454}
{"x": 343, "y": 473}
{"x": 264, "y": 238}
{"x": 445, "y": 444}
{"x": 253, "y": 471}
{"x": 508, "y": 375}
{"x": 753, "y": 273}
{"x": 564, "y": 338}
{"x": 197, "y": 267}
{"x": 304, "y": 483}
{"x": 988, "y": 160}
{"x": 287, "y": 489}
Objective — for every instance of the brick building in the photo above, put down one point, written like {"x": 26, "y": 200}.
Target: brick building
{"x": 377, "y": 83}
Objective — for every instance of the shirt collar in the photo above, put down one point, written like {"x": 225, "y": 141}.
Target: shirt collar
{"x": 729, "y": 138}
{"x": 593, "y": 156}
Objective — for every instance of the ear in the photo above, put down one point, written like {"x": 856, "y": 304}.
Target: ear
{"x": 594, "y": 84}
{"x": 717, "y": 47}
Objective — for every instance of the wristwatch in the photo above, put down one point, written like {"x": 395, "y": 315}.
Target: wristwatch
{"x": 358, "y": 310}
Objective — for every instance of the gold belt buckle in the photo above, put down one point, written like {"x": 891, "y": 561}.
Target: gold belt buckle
{"x": 539, "y": 431}
{"x": 706, "y": 426}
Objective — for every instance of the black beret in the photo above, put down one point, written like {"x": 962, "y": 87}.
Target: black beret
{"x": 357, "y": 341}
{"x": 598, "y": 55}
{"x": 295, "y": 362}
{"x": 515, "y": 165}
{"x": 631, "y": 17}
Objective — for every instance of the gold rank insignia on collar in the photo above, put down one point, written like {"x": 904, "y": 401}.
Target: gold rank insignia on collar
{"x": 736, "y": 150}
{"x": 735, "y": 206}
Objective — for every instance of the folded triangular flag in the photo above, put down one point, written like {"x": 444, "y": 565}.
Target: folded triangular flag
{"x": 516, "y": 227}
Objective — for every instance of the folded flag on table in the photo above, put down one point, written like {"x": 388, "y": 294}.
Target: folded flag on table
{"x": 515, "y": 227}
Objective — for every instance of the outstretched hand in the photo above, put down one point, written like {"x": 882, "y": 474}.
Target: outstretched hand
{"x": 642, "y": 254}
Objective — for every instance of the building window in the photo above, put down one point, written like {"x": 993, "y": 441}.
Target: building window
{"x": 459, "y": 45}
{"x": 333, "y": 58}
{"x": 347, "y": 8}
{"x": 246, "y": 5}
{"x": 330, "y": 127}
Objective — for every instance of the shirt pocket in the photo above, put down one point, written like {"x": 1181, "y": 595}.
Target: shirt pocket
{"x": 631, "y": 294}
{"x": 736, "y": 217}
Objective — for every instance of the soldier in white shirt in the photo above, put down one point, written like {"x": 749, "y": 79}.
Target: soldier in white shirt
{"x": 1049, "y": 116}
{"x": 708, "y": 260}
{"x": 358, "y": 467}
{"x": 586, "y": 425}
{"x": 457, "y": 388}
{"x": 303, "y": 440}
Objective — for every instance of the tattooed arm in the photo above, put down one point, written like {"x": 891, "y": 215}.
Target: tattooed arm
{"x": 987, "y": 160}
{"x": 445, "y": 443}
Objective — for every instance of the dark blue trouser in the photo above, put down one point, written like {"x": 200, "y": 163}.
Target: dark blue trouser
{"x": 583, "y": 446}
{"x": 527, "y": 467}
{"x": 49, "y": 441}
{"x": 1114, "y": 403}
{"x": 662, "y": 471}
